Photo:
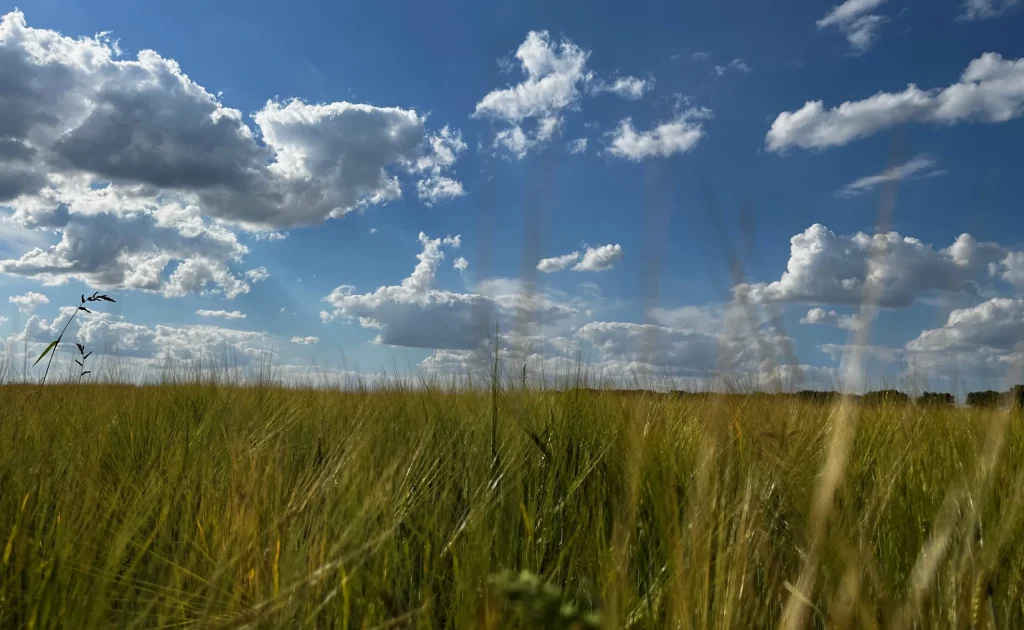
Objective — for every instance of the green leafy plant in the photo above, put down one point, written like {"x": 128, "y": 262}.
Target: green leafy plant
{"x": 541, "y": 603}
{"x": 51, "y": 349}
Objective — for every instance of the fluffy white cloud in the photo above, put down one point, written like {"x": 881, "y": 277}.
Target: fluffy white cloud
{"x": 557, "y": 263}
{"x": 131, "y": 251}
{"x": 991, "y": 89}
{"x": 461, "y": 264}
{"x": 577, "y": 146}
{"x": 224, "y": 314}
{"x": 831, "y": 318}
{"x": 984, "y": 339}
{"x": 906, "y": 170}
{"x": 153, "y": 347}
{"x": 446, "y": 147}
{"x": 894, "y": 270}
{"x": 259, "y": 274}
{"x": 855, "y": 20}
{"x": 600, "y": 258}
{"x": 554, "y": 74}
{"x": 679, "y": 135}
{"x": 416, "y": 314}
{"x": 306, "y": 341}
{"x": 984, "y": 9}
{"x": 631, "y": 88}
{"x": 28, "y": 302}
{"x": 125, "y": 157}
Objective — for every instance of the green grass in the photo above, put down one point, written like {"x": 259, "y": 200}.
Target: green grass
{"x": 206, "y": 506}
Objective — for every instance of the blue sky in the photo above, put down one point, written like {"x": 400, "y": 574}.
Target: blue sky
{"x": 280, "y": 162}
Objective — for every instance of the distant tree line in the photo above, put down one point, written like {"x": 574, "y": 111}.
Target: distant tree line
{"x": 1014, "y": 397}
{"x": 989, "y": 398}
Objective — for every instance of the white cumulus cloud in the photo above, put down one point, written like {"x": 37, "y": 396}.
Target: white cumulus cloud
{"x": 985, "y": 340}
{"x": 259, "y": 274}
{"x": 28, "y": 302}
{"x": 679, "y": 135}
{"x": 991, "y": 90}
{"x": 895, "y": 270}
{"x": 632, "y": 88}
{"x": 416, "y": 314}
{"x": 140, "y": 171}
{"x": 855, "y": 20}
{"x": 557, "y": 263}
{"x": 554, "y": 74}
{"x": 822, "y": 317}
{"x": 306, "y": 341}
{"x": 600, "y": 258}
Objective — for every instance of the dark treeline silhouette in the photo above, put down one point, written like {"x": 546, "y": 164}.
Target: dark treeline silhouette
{"x": 989, "y": 398}
{"x": 885, "y": 396}
{"x": 936, "y": 398}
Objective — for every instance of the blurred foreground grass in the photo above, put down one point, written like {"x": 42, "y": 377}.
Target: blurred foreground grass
{"x": 204, "y": 506}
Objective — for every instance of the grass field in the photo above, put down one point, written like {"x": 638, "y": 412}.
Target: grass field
{"x": 205, "y": 506}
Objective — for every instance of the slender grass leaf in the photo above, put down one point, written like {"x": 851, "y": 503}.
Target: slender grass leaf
{"x": 53, "y": 344}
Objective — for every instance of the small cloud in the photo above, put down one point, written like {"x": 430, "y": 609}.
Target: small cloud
{"x": 306, "y": 341}
{"x": 986, "y": 9}
{"x": 907, "y": 170}
{"x": 369, "y": 322}
{"x": 632, "y": 88}
{"x": 600, "y": 258}
{"x": 224, "y": 314}
{"x": 28, "y": 302}
{"x": 736, "y": 64}
{"x": 259, "y": 274}
{"x": 461, "y": 264}
{"x": 854, "y": 19}
{"x": 270, "y": 236}
{"x": 577, "y": 146}
{"x": 373, "y": 230}
{"x": 679, "y": 135}
{"x": 700, "y": 56}
{"x": 557, "y": 263}
{"x": 739, "y": 65}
